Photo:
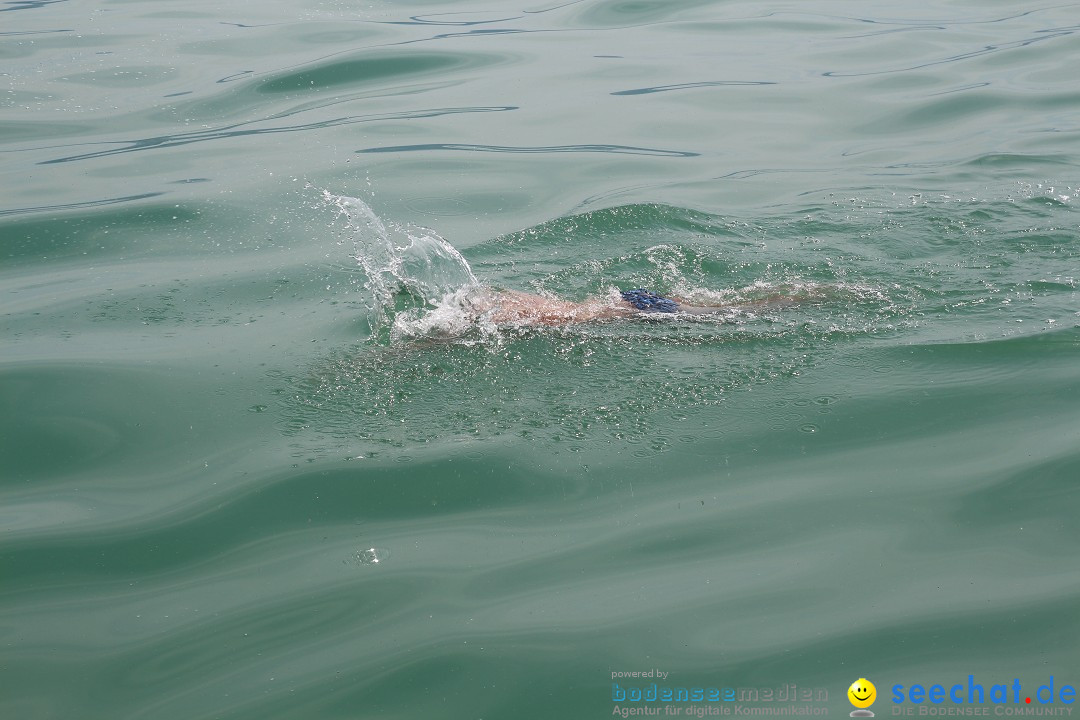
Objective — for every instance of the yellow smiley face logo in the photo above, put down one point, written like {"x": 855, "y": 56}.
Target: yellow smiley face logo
{"x": 862, "y": 693}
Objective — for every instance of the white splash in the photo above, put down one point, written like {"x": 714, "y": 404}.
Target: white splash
{"x": 419, "y": 283}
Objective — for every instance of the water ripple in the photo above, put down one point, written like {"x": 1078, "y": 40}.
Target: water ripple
{"x": 31, "y": 32}
{"x": 985, "y": 50}
{"x": 234, "y": 130}
{"x": 688, "y": 86}
{"x": 78, "y": 205}
{"x": 430, "y": 20}
{"x": 28, "y": 4}
{"x": 614, "y": 149}
{"x": 376, "y": 67}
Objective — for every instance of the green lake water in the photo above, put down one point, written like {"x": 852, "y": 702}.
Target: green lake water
{"x": 247, "y": 472}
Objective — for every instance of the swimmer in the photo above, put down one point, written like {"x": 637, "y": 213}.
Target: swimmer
{"x": 520, "y": 308}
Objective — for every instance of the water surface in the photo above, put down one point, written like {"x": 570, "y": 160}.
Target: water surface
{"x": 231, "y": 490}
